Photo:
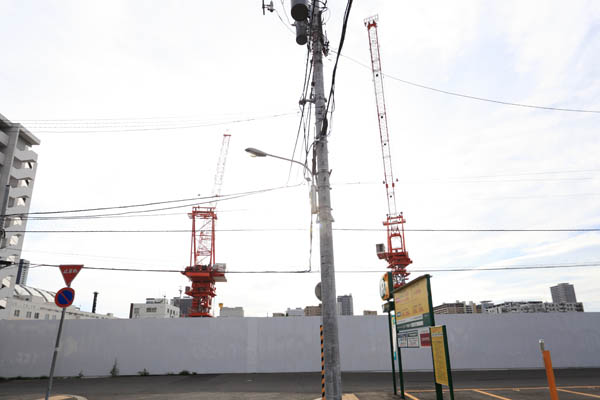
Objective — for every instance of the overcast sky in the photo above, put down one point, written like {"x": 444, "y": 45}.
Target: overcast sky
{"x": 94, "y": 81}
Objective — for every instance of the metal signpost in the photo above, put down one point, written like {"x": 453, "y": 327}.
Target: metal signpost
{"x": 63, "y": 298}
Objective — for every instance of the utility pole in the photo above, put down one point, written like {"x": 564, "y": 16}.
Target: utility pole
{"x": 306, "y": 16}
{"x": 333, "y": 377}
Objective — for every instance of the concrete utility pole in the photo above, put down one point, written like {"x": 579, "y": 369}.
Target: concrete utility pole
{"x": 333, "y": 377}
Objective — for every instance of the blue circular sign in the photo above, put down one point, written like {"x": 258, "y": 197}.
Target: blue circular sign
{"x": 64, "y": 297}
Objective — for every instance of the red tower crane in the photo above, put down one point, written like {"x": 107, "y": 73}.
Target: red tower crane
{"x": 396, "y": 254}
{"x": 203, "y": 271}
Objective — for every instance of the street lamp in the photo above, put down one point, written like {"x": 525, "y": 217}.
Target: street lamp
{"x": 259, "y": 153}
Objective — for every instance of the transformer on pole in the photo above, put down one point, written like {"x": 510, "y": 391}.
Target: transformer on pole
{"x": 395, "y": 254}
{"x": 203, "y": 272}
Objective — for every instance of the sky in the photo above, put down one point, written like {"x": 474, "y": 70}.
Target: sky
{"x": 131, "y": 100}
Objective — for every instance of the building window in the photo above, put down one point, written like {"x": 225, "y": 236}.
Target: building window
{"x": 17, "y": 313}
{"x": 54, "y": 317}
{"x": 28, "y": 315}
{"x": 14, "y": 240}
{"x": 150, "y": 309}
{"x": 36, "y": 315}
{"x": 47, "y": 316}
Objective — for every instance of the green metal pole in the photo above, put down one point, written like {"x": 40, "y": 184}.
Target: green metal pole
{"x": 392, "y": 352}
{"x": 447, "y": 350}
{"x": 438, "y": 388}
{"x": 401, "y": 373}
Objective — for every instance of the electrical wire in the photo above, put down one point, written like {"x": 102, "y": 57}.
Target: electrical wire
{"x": 451, "y": 230}
{"x": 214, "y": 199}
{"x": 341, "y": 45}
{"x": 590, "y": 264}
{"x": 471, "y": 97}
{"x": 66, "y": 129}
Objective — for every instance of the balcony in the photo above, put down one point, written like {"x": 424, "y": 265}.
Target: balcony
{"x": 26, "y": 155}
{"x": 22, "y": 191}
{"x": 23, "y": 173}
{"x": 3, "y": 138}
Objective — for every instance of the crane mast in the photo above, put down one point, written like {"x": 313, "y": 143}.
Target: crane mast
{"x": 396, "y": 254}
{"x": 203, "y": 272}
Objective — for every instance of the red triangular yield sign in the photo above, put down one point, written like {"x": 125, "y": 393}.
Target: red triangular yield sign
{"x": 69, "y": 272}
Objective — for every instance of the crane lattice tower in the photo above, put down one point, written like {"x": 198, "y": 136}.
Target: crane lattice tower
{"x": 396, "y": 254}
{"x": 203, "y": 272}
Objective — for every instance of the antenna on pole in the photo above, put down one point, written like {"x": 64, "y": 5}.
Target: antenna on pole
{"x": 268, "y": 7}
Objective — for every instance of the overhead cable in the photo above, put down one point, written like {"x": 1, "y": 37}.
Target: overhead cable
{"x": 508, "y": 103}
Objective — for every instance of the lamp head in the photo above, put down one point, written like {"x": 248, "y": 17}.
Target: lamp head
{"x": 255, "y": 152}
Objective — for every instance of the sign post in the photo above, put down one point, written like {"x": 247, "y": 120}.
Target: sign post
{"x": 63, "y": 298}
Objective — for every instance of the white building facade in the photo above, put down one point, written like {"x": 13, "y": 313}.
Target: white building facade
{"x": 34, "y": 304}
{"x": 231, "y": 312}
{"x": 18, "y": 166}
{"x": 154, "y": 308}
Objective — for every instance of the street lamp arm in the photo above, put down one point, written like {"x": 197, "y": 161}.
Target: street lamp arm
{"x": 260, "y": 153}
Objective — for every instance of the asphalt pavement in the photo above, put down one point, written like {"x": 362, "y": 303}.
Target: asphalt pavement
{"x": 574, "y": 384}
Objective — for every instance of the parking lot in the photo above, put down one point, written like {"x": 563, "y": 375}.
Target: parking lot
{"x": 574, "y": 384}
{"x": 516, "y": 393}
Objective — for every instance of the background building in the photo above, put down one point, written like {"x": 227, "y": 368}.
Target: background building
{"x": 231, "y": 312}
{"x": 313, "y": 311}
{"x": 18, "y": 165}
{"x": 563, "y": 293}
{"x": 183, "y": 303}
{"x": 368, "y": 312}
{"x": 459, "y": 307}
{"x": 347, "y": 305}
{"x": 27, "y": 302}
{"x": 153, "y": 308}
{"x": 534, "y": 307}
{"x": 295, "y": 312}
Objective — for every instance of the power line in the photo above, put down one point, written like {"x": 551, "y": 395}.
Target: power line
{"x": 66, "y": 129}
{"x": 126, "y": 206}
{"x": 508, "y": 103}
{"x": 451, "y": 230}
{"x": 341, "y": 45}
{"x": 590, "y": 264}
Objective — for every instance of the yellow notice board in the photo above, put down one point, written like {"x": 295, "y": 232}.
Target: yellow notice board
{"x": 411, "y": 302}
{"x": 438, "y": 349}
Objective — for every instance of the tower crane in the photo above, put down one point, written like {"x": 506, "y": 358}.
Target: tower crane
{"x": 203, "y": 272}
{"x": 396, "y": 254}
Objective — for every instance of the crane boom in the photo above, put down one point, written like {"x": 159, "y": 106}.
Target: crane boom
{"x": 218, "y": 184}
{"x": 381, "y": 115}
{"x": 396, "y": 254}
